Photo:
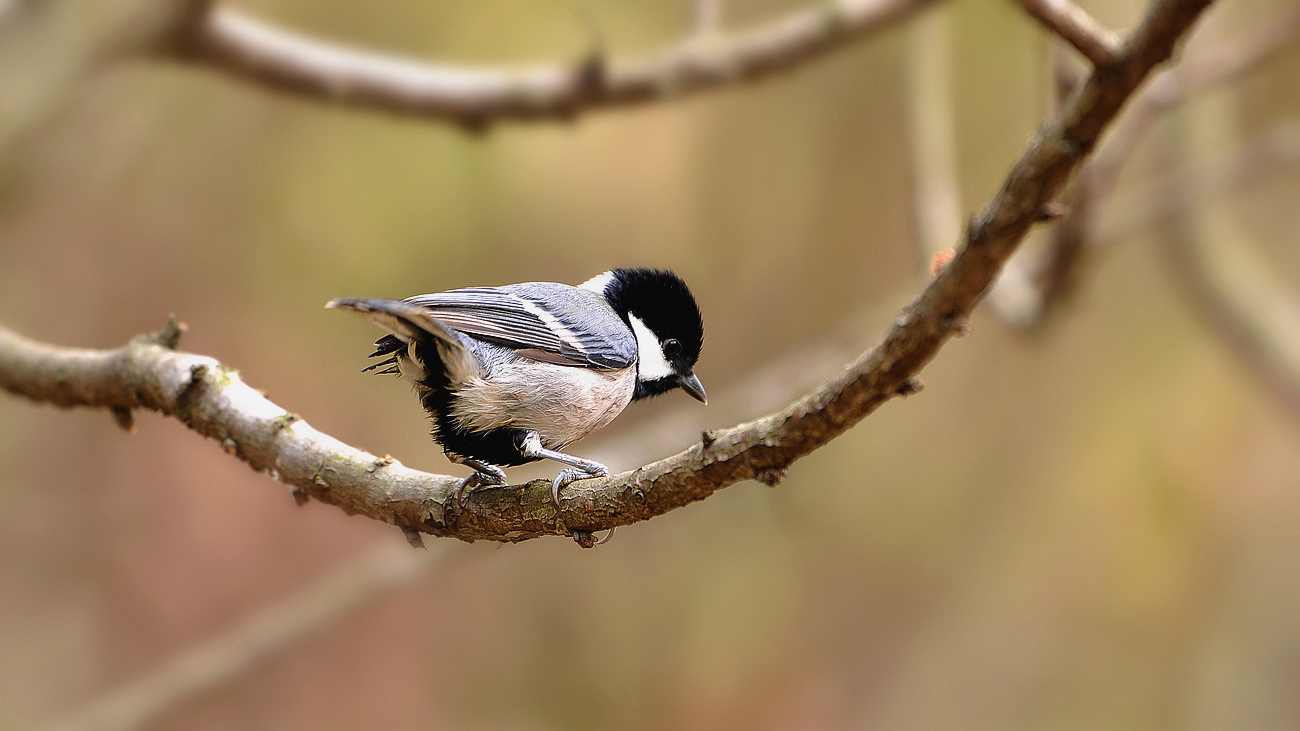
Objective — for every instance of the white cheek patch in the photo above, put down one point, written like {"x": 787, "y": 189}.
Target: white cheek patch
{"x": 651, "y": 363}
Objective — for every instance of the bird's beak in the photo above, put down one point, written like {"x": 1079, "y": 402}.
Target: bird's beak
{"x": 690, "y": 384}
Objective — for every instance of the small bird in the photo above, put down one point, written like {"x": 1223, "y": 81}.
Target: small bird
{"x": 514, "y": 374}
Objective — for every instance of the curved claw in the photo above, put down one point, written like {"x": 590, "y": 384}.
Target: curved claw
{"x": 567, "y": 475}
{"x": 495, "y": 477}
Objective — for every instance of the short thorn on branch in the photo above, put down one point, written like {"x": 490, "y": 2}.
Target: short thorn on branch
{"x": 1052, "y": 211}
{"x": 413, "y": 537}
{"x": 169, "y": 335}
{"x": 911, "y": 386}
{"x": 124, "y": 418}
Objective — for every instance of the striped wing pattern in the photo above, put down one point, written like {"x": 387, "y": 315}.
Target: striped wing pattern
{"x": 565, "y": 322}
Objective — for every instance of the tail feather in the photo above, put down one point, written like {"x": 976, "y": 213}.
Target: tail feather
{"x": 408, "y": 323}
{"x": 387, "y": 345}
{"x": 392, "y": 362}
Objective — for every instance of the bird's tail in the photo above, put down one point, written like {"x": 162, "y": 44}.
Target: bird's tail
{"x": 409, "y": 324}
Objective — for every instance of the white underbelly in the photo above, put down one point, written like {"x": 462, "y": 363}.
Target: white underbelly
{"x": 562, "y": 403}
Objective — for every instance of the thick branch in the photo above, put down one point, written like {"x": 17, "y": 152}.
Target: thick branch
{"x": 211, "y": 399}
{"x": 283, "y": 60}
{"x": 1096, "y": 42}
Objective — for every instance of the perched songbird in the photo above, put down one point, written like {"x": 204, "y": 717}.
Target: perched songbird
{"x": 513, "y": 374}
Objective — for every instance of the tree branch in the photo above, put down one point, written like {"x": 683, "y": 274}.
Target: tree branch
{"x": 280, "y": 59}
{"x": 212, "y": 400}
{"x": 1033, "y": 287}
{"x": 1097, "y": 43}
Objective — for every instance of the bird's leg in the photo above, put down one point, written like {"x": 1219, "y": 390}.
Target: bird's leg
{"x": 531, "y": 446}
{"x": 484, "y": 474}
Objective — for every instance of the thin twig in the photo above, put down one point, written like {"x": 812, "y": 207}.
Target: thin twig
{"x": 1057, "y": 271}
{"x": 280, "y": 59}
{"x": 1036, "y": 279}
{"x": 1097, "y": 43}
{"x": 1177, "y": 192}
{"x": 1215, "y": 266}
{"x": 1215, "y": 67}
{"x": 708, "y": 17}
{"x": 1026, "y": 295}
{"x": 936, "y": 197}
{"x": 212, "y": 400}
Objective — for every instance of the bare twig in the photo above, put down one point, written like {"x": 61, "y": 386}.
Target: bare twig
{"x": 211, "y": 399}
{"x": 1097, "y": 43}
{"x": 1033, "y": 285}
{"x": 1179, "y": 191}
{"x": 708, "y": 17}
{"x": 48, "y": 47}
{"x": 936, "y": 201}
{"x": 1036, "y": 279}
{"x": 1215, "y": 67}
{"x": 1216, "y": 267}
{"x": 380, "y": 568}
{"x": 259, "y": 52}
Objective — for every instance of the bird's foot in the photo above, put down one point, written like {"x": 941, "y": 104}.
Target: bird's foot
{"x": 484, "y": 474}
{"x": 587, "y": 470}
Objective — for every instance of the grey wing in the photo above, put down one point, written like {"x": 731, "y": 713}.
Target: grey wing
{"x": 540, "y": 320}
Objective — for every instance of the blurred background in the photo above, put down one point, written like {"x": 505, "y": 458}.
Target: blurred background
{"x": 1094, "y": 524}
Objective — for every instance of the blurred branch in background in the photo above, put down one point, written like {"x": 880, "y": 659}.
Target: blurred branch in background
{"x": 47, "y": 47}
{"x": 362, "y": 580}
{"x": 1214, "y": 263}
{"x": 1098, "y": 44}
{"x": 1179, "y": 191}
{"x": 209, "y": 397}
{"x": 1036, "y": 282}
{"x": 932, "y": 144}
{"x": 280, "y": 59}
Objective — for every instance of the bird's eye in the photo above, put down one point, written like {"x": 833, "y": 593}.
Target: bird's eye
{"x": 672, "y": 347}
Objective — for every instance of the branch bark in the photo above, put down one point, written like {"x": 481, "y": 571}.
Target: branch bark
{"x": 286, "y": 61}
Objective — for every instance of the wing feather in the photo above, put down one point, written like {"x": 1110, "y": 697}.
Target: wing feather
{"x": 569, "y": 325}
